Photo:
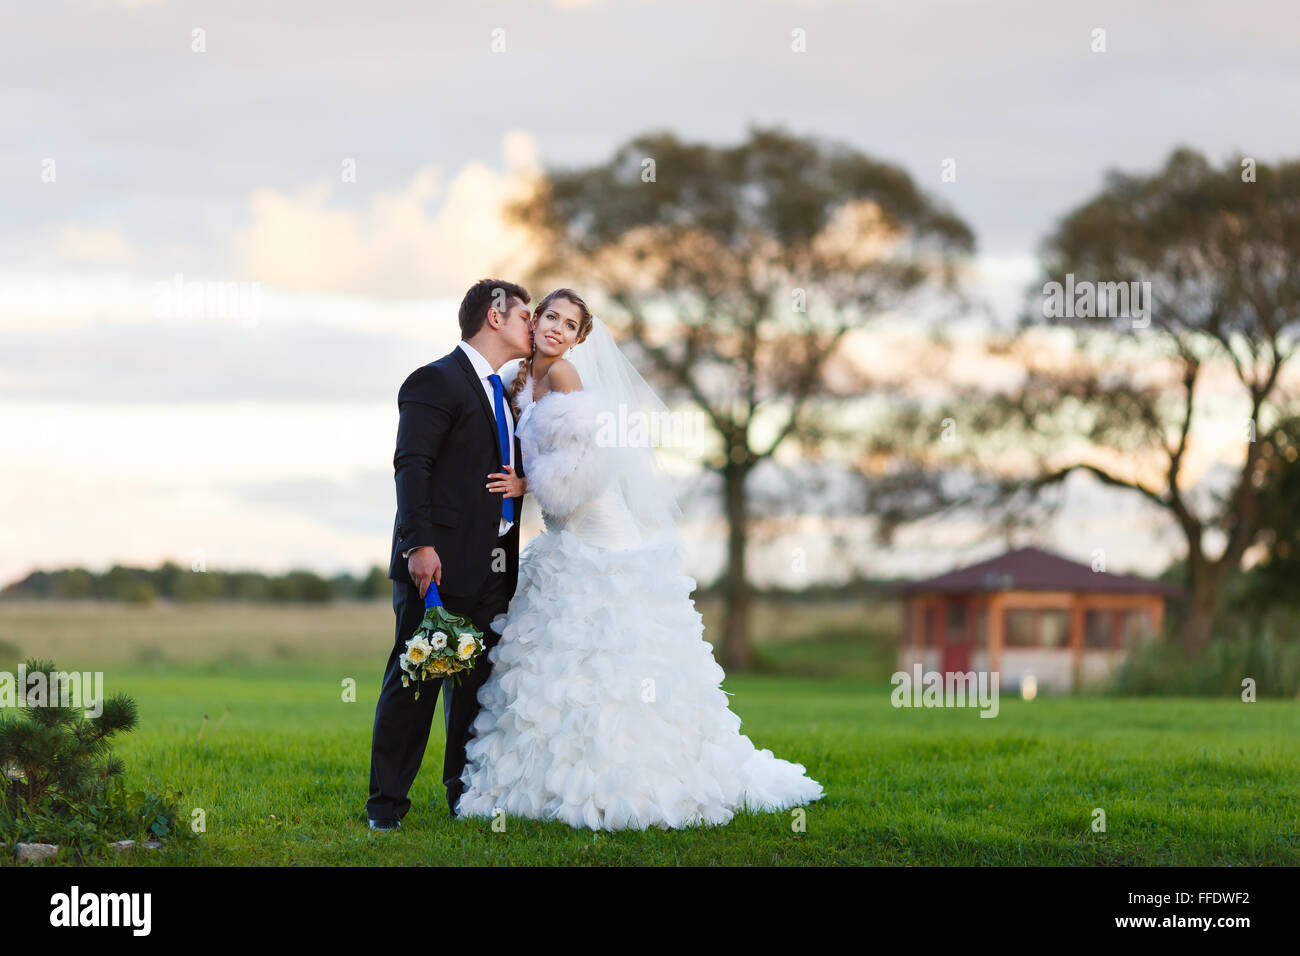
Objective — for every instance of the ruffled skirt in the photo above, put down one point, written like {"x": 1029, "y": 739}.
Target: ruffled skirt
{"x": 604, "y": 707}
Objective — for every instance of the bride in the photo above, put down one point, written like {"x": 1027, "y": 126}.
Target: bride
{"x": 604, "y": 707}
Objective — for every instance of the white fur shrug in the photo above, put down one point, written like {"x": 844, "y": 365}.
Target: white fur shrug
{"x": 563, "y": 461}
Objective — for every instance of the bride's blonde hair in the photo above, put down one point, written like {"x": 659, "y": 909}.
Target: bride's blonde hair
{"x": 526, "y": 366}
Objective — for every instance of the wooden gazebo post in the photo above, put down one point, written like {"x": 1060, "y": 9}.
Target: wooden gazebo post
{"x": 1157, "y": 616}
{"x": 995, "y": 633}
{"x": 1077, "y": 612}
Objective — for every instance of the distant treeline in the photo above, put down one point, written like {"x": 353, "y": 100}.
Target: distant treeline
{"x": 172, "y": 582}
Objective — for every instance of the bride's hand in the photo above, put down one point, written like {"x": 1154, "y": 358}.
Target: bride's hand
{"x": 508, "y": 485}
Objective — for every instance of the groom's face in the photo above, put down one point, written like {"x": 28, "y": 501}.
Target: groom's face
{"x": 515, "y": 328}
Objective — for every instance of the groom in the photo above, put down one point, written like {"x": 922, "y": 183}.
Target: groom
{"x": 455, "y": 428}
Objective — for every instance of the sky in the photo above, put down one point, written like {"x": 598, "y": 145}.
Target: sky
{"x": 343, "y": 167}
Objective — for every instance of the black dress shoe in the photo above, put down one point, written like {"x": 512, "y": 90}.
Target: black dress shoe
{"x": 383, "y": 826}
{"x": 454, "y": 791}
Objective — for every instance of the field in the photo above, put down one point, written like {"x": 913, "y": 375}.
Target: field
{"x": 283, "y": 779}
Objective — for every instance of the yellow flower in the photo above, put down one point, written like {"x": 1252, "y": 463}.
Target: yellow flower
{"x": 467, "y": 647}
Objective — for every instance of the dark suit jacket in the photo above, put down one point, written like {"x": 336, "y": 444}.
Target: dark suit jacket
{"x": 446, "y": 446}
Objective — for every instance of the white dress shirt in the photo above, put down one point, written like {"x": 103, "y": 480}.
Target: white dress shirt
{"x": 483, "y": 370}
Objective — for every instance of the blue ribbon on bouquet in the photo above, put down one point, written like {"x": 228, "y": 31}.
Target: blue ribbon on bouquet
{"x": 431, "y": 598}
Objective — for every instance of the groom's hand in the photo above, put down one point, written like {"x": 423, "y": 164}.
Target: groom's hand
{"x": 424, "y": 566}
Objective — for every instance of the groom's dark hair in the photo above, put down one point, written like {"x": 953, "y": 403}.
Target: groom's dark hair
{"x": 483, "y": 295}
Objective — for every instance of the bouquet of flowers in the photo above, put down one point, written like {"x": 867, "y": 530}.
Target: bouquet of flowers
{"x": 444, "y": 644}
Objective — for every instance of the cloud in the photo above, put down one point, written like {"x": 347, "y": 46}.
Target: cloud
{"x": 57, "y": 518}
{"x": 361, "y": 504}
{"x": 128, "y": 4}
{"x": 396, "y": 245}
{"x": 94, "y": 244}
{"x": 208, "y": 362}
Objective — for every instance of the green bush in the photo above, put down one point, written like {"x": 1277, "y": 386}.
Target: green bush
{"x": 59, "y": 783}
{"x": 1163, "y": 667}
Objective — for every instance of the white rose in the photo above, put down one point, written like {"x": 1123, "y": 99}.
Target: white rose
{"x": 439, "y": 640}
{"x": 467, "y": 647}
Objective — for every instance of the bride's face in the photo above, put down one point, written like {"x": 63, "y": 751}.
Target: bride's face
{"x": 556, "y": 328}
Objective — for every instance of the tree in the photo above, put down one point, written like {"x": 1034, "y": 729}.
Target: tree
{"x": 1272, "y": 581}
{"x": 375, "y": 584}
{"x": 736, "y": 274}
{"x": 48, "y": 749}
{"x": 1218, "y": 249}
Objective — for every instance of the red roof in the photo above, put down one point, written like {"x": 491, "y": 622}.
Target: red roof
{"x": 1033, "y": 569}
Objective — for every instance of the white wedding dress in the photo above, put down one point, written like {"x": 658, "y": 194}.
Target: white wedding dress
{"x": 604, "y": 707}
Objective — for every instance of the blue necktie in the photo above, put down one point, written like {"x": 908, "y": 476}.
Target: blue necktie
{"x": 503, "y": 439}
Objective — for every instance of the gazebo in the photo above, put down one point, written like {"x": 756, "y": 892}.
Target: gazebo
{"x": 1029, "y": 613}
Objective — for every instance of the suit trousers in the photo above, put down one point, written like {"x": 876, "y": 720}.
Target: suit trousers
{"x": 402, "y": 723}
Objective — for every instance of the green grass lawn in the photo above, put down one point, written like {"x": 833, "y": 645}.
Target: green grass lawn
{"x": 284, "y": 780}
